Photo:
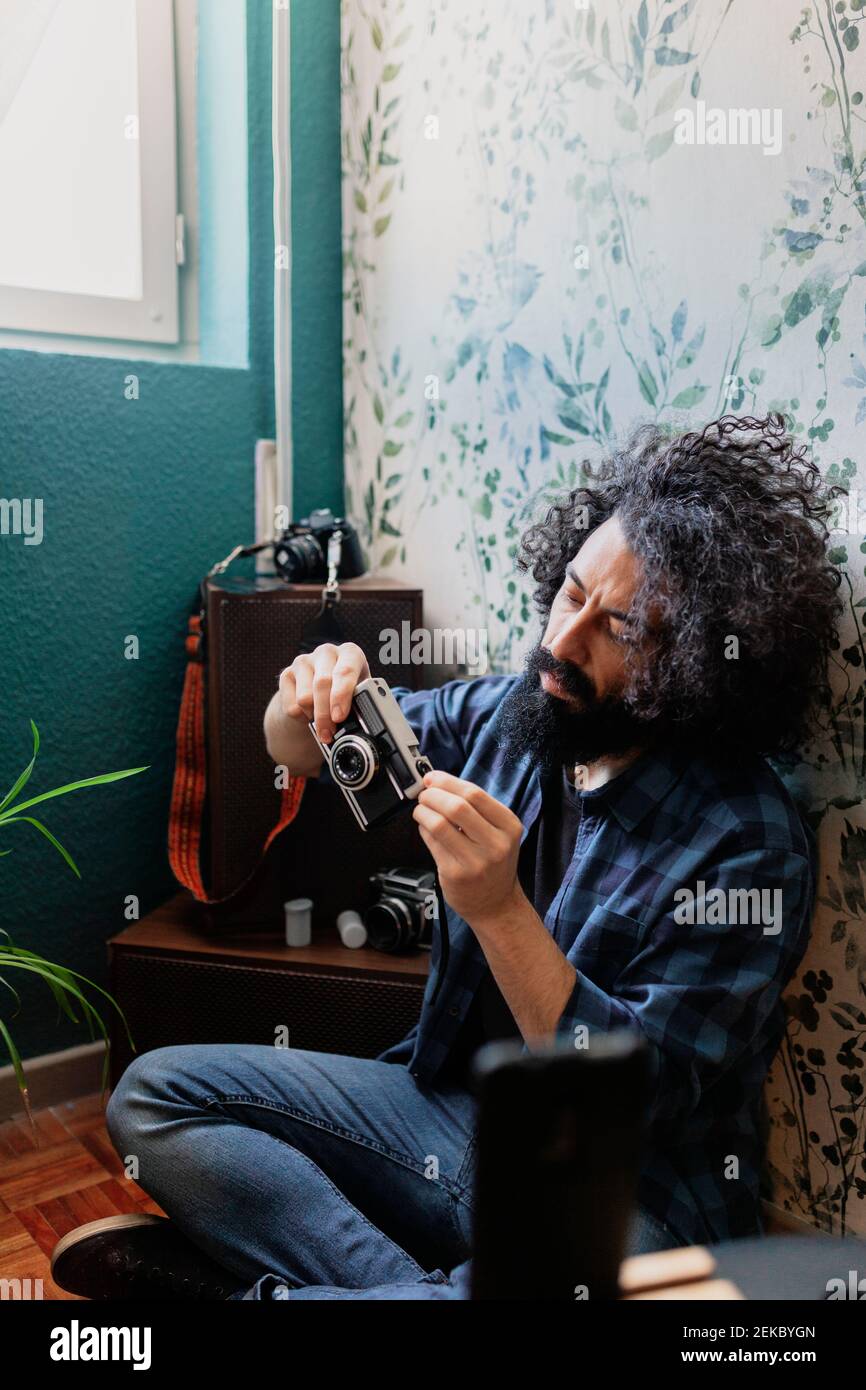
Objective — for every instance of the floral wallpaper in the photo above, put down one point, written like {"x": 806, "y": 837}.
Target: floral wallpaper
{"x": 561, "y": 218}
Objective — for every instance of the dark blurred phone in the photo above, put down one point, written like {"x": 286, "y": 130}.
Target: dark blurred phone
{"x": 559, "y": 1143}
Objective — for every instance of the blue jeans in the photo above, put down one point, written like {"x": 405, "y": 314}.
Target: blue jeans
{"x": 310, "y": 1175}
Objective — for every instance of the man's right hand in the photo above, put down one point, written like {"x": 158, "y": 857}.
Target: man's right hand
{"x": 320, "y": 686}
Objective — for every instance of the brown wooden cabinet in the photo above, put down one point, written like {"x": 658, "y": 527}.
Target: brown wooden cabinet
{"x": 178, "y": 984}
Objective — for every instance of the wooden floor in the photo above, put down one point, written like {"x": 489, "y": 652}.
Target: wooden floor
{"x": 58, "y": 1178}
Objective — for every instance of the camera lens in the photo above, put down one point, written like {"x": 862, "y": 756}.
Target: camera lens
{"x": 299, "y": 559}
{"x": 353, "y": 762}
{"x": 389, "y": 924}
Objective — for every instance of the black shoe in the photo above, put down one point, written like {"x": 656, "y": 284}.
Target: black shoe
{"x": 137, "y": 1256}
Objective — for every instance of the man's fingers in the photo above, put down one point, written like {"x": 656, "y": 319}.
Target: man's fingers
{"x": 444, "y": 862}
{"x": 446, "y": 844}
{"x": 319, "y": 685}
{"x": 485, "y": 805}
{"x": 351, "y": 667}
{"x": 325, "y": 660}
{"x": 296, "y": 689}
{"x": 459, "y": 813}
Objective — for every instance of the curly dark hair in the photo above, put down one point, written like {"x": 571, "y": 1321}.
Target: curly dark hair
{"x": 731, "y": 527}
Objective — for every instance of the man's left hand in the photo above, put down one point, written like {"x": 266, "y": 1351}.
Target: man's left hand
{"x": 475, "y": 841}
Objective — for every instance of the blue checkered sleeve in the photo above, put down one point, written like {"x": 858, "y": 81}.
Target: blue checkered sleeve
{"x": 448, "y": 720}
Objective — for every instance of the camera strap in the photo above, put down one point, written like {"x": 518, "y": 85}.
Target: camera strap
{"x": 325, "y": 627}
{"x": 444, "y": 940}
{"x": 189, "y": 788}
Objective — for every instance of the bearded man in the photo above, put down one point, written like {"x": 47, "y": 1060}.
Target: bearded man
{"x": 599, "y": 824}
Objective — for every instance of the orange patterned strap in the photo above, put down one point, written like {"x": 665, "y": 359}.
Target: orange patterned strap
{"x": 190, "y": 781}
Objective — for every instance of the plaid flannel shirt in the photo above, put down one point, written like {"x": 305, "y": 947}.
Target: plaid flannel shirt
{"x": 706, "y": 995}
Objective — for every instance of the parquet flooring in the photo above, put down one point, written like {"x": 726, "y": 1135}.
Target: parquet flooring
{"x": 64, "y": 1174}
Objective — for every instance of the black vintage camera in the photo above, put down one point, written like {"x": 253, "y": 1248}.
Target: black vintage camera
{"x": 309, "y": 549}
{"x": 402, "y": 914}
{"x": 374, "y": 757}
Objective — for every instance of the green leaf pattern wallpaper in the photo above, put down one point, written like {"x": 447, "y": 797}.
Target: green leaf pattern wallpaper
{"x": 561, "y": 218}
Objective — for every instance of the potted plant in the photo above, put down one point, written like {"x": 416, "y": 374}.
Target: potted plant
{"x": 62, "y": 982}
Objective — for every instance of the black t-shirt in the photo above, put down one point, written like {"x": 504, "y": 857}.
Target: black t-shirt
{"x": 545, "y": 856}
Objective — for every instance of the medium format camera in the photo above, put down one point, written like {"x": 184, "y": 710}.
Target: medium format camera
{"x": 307, "y": 551}
{"x": 374, "y": 757}
{"x": 401, "y": 917}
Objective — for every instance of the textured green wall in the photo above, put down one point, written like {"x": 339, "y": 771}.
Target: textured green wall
{"x": 140, "y": 497}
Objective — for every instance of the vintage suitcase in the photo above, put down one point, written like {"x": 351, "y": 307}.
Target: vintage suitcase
{"x": 254, "y": 628}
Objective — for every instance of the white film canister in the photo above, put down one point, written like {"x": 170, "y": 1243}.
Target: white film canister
{"x": 351, "y": 928}
{"x": 298, "y": 914}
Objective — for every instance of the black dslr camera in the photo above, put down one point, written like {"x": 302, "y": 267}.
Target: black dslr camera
{"x": 401, "y": 916}
{"x": 374, "y": 757}
{"x": 310, "y": 549}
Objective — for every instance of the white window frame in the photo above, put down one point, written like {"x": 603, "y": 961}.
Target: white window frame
{"x": 155, "y": 317}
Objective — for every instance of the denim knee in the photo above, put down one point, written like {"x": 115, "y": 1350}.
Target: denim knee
{"x": 140, "y": 1078}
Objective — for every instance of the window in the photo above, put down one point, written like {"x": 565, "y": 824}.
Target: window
{"x": 91, "y": 236}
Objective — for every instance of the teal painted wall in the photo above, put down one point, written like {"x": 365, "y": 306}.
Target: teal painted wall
{"x": 140, "y": 497}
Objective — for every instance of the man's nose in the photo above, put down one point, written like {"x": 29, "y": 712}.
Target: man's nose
{"x": 570, "y": 639}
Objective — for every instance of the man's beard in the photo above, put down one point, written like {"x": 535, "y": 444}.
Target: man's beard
{"x": 555, "y": 732}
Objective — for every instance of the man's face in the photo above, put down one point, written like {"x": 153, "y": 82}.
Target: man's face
{"x": 568, "y": 707}
{"x": 588, "y": 627}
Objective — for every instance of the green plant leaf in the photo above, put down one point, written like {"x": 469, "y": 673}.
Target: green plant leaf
{"x": 25, "y": 775}
{"x": 670, "y": 57}
{"x": 43, "y": 829}
{"x": 669, "y": 95}
{"x": 674, "y": 20}
{"x": 659, "y": 144}
{"x": 64, "y": 977}
{"x": 648, "y": 384}
{"x": 44, "y": 969}
{"x": 689, "y": 397}
{"x": 19, "y": 1070}
{"x": 56, "y": 989}
{"x": 99, "y": 781}
{"x": 12, "y": 990}
{"x": 626, "y": 115}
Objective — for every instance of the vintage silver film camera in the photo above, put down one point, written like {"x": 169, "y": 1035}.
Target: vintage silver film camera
{"x": 374, "y": 757}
